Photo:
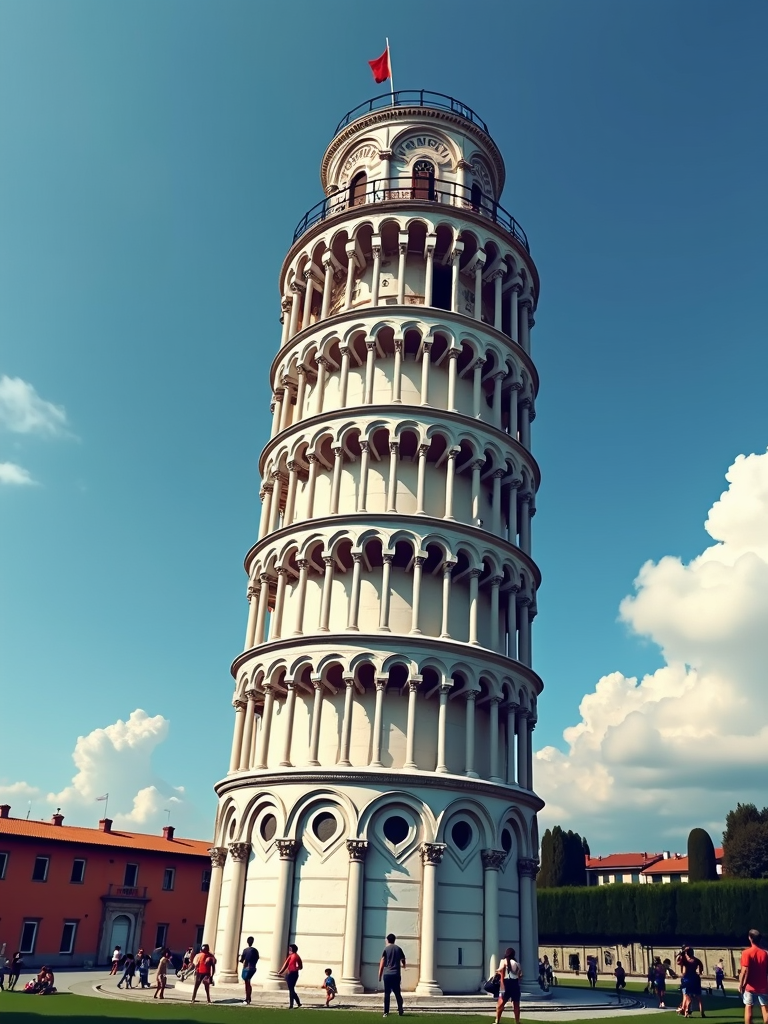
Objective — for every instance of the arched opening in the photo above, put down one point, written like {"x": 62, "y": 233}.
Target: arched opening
{"x": 476, "y": 196}
{"x": 423, "y": 180}
{"x": 357, "y": 189}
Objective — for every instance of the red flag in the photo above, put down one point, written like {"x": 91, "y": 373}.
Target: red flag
{"x": 380, "y": 67}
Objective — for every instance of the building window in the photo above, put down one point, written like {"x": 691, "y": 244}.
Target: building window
{"x": 618, "y": 878}
{"x": 674, "y": 878}
{"x": 131, "y": 876}
{"x": 205, "y": 884}
{"x": 423, "y": 180}
{"x": 68, "y": 937}
{"x": 199, "y": 936}
{"x": 357, "y": 189}
{"x": 40, "y": 870}
{"x": 476, "y": 196}
{"x": 658, "y": 878}
{"x": 28, "y": 937}
{"x": 169, "y": 878}
{"x": 78, "y": 871}
{"x": 635, "y": 877}
{"x": 3, "y": 864}
{"x": 161, "y": 936}
{"x": 606, "y": 879}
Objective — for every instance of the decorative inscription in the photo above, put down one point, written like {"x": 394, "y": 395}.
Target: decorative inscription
{"x": 360, "y": 154}
{"x": 436, "y": 146}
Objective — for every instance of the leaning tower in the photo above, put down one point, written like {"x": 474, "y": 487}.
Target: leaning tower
{"x": 380, "y": 777}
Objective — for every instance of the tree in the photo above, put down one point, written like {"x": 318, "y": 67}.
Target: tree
{"x": 745, "y": 842}
{"x": 585, "y": 845}
{"x": 702, "y": 865}
{"x": 562, "y": 859}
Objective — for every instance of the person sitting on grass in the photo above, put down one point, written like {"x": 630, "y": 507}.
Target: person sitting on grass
{"x": 621, "y": 978}
{"x": 330, "y": 986}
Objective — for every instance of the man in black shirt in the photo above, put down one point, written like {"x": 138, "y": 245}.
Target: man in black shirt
{"x": 249, "y": 958}
{"x": 392, "y": 961}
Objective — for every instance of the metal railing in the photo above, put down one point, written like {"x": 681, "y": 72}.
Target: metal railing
{"x": 413, "y": 98}
{"x": 406, "y": 189}
{"x": 133, "y": 892}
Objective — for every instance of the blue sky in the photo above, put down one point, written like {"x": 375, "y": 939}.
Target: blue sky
{"x": 155, "y": 159}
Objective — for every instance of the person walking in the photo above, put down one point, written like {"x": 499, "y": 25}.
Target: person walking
{"x": 621, "y": 978}
{"x": 161, "y": 975}
{"x": 249, "y": 958}
{"x": 117, "y": 955}
{"x": 592, "y": 971}
{"x": 205, "y": 965}
{"x": 753, "y": 977}
{"x": 691, "y": 969}
{"x": 129, "y": 970}
{"x": 329, "y": 984}
{"x": 510, "y": 972}
{"x": 390, "y": 972}
{"x": 3, "y": 969}
{"x": 290, "y": 971}
{"x": 14, "y": 971}
{"x": 143, "y": 963}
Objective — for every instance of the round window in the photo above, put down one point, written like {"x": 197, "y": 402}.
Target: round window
{"x": 325, "y": 826}
{"x": 506, "y": 840}
{"x": 396, "y": 829}
{"x": 461, "y": 833}
{"x": 268, "y": 827}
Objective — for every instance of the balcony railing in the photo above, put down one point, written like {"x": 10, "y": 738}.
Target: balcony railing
{"x": 413, "y": 98}
{"x": 405, "y": 189}
{"x": 127, "y": 892}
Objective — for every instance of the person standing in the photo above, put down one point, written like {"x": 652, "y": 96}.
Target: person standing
{"x": 161, "y": 975}
{"x": 205, "y": 965}
{"x": 660, "y": 981}
{"x": 719, "y": 976}
{"x": 592, "y": 971}
{"x": 3, "y": 968}
{"x": 329, "y": 984}
{"x": 14, "y": 971}
{"x": 621, "y": 978}
{"x": 753, "y": 977}
{"x": 249, "y": 958}
{"x": 692, "y": 969}
{"x": 143, "y": 963}
{"x": 290, "y": 971}
{"x": 129, "y": 970}
{"x": 510, "y": 972}
{"x": 116, "y": 956}
{"x": 390, "y": 971}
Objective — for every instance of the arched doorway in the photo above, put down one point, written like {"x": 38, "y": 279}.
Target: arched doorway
{"x": 423, "y": 180}
{"x": 121, "y": 930}
{"x": 476, "y": 196}
{"x": 357, "y": 189}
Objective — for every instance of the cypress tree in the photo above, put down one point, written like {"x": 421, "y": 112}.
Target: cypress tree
{"x": 702, "y": 865}
{"x": 544, "y": 881}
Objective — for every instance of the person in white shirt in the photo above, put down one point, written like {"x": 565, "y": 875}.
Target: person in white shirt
{"x": 510, "y": 973}
{"x": 116, "y": 957}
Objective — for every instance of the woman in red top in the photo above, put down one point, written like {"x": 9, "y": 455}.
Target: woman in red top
{"x": 205, "y": 964}
{"x": 290, "y": 970}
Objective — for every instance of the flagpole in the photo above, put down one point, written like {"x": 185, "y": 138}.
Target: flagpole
{"x": 391, "y": 76}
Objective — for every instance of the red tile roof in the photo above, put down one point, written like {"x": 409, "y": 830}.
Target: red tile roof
{"x": 677, "y": 864}
{"x": 95, "y": 837}
{"x": 622, "y": 862}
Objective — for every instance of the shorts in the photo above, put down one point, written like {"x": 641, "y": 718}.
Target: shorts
{"x": 248, "y": 973}
{"x": 750, "y": 998}
{"x": 691, "y": 986}
{"x": 511, "y": 991}
{"x": 661, "y": 985}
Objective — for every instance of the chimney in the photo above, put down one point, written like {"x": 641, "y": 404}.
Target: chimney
{"x": 105, "y": 824}
{"x": 665, "y": 854}
{"x": 57, "y": 818}
{"x": 5, "y": 810}
{"x": 168, "y": 831}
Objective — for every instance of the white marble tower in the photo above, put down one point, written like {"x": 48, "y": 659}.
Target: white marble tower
{"x": 380, "y": 777}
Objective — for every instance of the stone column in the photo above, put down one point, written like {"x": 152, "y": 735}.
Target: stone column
{"x": 496, "y": 277}
{"x": 512, "y": 510}
{"x": 287, "y": 848}
{"x": 386, "y": 573}
{"x": 285, "y": 413}
{"x": 327, "y": 261}
{"x": 277, "y": 490}
{"x": 526, "y": 319}
{"x": 349, "y": 983}
{"x": 237, "y": 738}
{"x": 479, "y": 266}
{"x": 453, "y": 356}
{"x": 218, "y": 856}
{"x": 352, "y": 258}
{"x": 250, "y": 721}
{"x": 458, "y": 248}
{"x": 496, "y": 582}
{"x": 525, "y": 523}
{"x": 524, "y": 418}
{"x": 362, "y": 496}
{"x": 354, "y": 596}
{"x": 266, "y": 725}
{"x": 253, "y": 608}
{"x": 496, "y": 503}
{"x": 301, "y": 595}
{"x": 378, "y": 722}
{"x": 474, "y": 576}
{"x": 346, "y": 724}
{"x": 290, "y": 708}
{"x": 531, "y": 726}
{"x": 325, "y": 600}
{"x": 301, "y": 391}
{"x": 266, "y": 511}
{"x": 522, "y": 748}
{"x": 290, "y": 501}
{"x": 426, "y": 348}
{"x": 394, "y": 451}
{"x": 402, "y": 251}
{"x": 420, "y": 479}
{"x": 493, "y": 861}
{"x": 311, "y": 483}
{"x": 376, "y": 279}
{"x": 344, "y": 378}
{"x": 524, "y": 631}
{"x": 277, "y": 411}
{"x": 285, "y": 319}
{"x": 511, "y": 717}
{"x": 338, "y": 462}
{"x": 527, "y": 868}
{"x": 477, "y": 387}
{"x": 442, "y": 710}
{"x": 277, "y": 616}
{"x": 227, "y": 956}
{"x": 512, "y": 621}
{"x": 447, "y": 570}
{"x": 261, "y": 616}
{"x": 514, "y": 316}
{"x": 410, "y": 736}
{"x": 429, "y": 256}
{"x": 450, "y": 472}
{"x": 293, "y": 324}
{"x": 469, "y": 745}
{"x": 370, "y": 357}
{"x": 431, "y": 856}
{"x": 418, "y": 564}
{"x": 477, "y": 465}
{"x": 317, "y": 711}
{"x": 514, "y": 390}
{"x": 322, "y": 370}
{"x": 493, "y": 738}
{"x": 396, "y": 376}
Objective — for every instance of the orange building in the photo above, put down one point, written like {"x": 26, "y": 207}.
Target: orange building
{"x": 69, "y": 895}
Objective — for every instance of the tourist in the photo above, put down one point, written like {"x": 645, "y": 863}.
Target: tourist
{"x": 510, "y": 972}
{"x": 14, "y": 971}
{"x": 45, "y": 982}
{"x": 650, "y": 979}
{"x": 621, "y": 978}
{"x": 186, "y": 963}
{"x": 753, "y": 977}
{"x": 549, "y": 974}
{"x": 390, "y": 972}
{"x": 3, "y": 968}
{"x": 592, "y": 971}
{"x": 116, "y": 958}
{"x": 719, "y": 976}
{"x": 691, "y": 969}
{"x": 205, "y": 965}
{"x": 660, "y": 981}
{"x": 330, "y": 986}
{"x": 542, "y": 975}
{"x": 161, "y": 975}
{"x": 249, "y": 958}
{"x": 129, "y": 970}
{"x": 290, "y": 971}
{"x": 143, "y": 963}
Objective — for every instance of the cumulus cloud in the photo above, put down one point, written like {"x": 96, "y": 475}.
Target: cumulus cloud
{"x": 23, "y": 411}
{"x": 649, "y": 760}
{"x": 116, "y": 759}
{"x": 15, "y": 476}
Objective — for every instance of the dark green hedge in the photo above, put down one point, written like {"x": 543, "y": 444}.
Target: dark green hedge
{"x": 704, "y": 913}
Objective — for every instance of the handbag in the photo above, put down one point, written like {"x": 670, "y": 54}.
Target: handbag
{"x": 493, "y": 985}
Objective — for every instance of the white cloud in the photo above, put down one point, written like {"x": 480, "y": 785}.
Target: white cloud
{"x": 23, "y": 411}
{"x": 15, "y": 476}
{"x": 650, "y": 760}
{"x": 117, "y": 759}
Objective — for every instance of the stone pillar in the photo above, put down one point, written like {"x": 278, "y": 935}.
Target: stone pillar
{"x": 497, "y": 283}
{"x": 287, "y": 848}
{"x": 447, "y": 570}
{"x": 277, "y": 616}
{"x": 528, "y": 956}
{"x": 450, "y": 472}
{"x": 410, "y": 735}
{"x": 421, "y": 479}
{"x": 266, "y": 511}
{"x": 512, "y": 510}
{"x": 349, "y": 983}
{"x": 250, "y": 721}
{"x": 442, "y": 711}
{"x": 327, "y": 261}
{"x": 514, "y": 390}
{"x": 301, "y": 391}
{"x": 474, "y": 576}
{"x": 266, "y": 725}
{"x": 261, "y": 617}
{"x": 354, "y": 596}
{"x": 526, "y": 319}
{"x": 493, "y": 861}
{"x": 496, "y": 503}
{"x": 514, "y": 316}
{"x": 524, "y": 632}
{"x": 317, "y": 711}
{"x": 301, "y": 595}
{"x": 322, "y": 370}
{"x": 522, "y": 749}
{"x": 511, "y": 717}
{"x": 493, "y": 738}
{"x": 311, "y": 483}
{"x": 394, "y": 451}
{"x": 479, "y": 265}
{"x": 525, "y": 523}
{"x": 376, "y": 279}
{"x": 290, "y": 708}
{"x": 227, "y": 956}
{"x": 458, "y": 248}
{"x": 218, "y": 856}
{"x": 351, "y": 266}
{"x": 344, "y": 377}
{"x": 498, "y": 380}
{"x": 285, "y": 319}
{"x": 396, "y": 376}
{"x": 370, "y": 358}
{"x": 277, "y": 490}
{"x": 378, "y": 722}
{"x": 429, "y": 256}
{"x": 253, "y": 608}
{"x": 402, "y": 250}
{"x": 285, "y": 412}
{"x": 477, "y": 465}
{"x": 453, "y": 356}
{"x": 362, "y": 496}
{"x": 386, "y": 573}
{"x": 477, "y": 387}
{"x": 325, "y": 600}
{"x": 290, "y": 501}
{"x": 237, "y": 738}
{"x": 338, "y": 462}
{"x": 431, "y": 856}
{"x": 496, "y": 582}
{"x": 418, "y": 564}
{"x": 295, "y": 308}
{"x": 426, "y": 348}
{"x": 346, "y": 724}
{"x": 512, "y": 622}
{"x": 469, "y": 744}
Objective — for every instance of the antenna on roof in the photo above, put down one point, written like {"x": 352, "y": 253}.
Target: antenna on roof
{"x": 29, "y": 810}
{"x": 168, "y": 812}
